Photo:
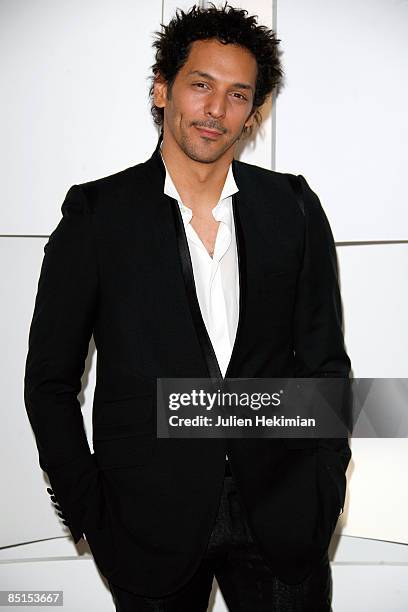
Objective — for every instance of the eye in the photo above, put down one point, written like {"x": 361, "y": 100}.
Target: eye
{"x": 241, "y": 97}
{"x": 199, "y": 84}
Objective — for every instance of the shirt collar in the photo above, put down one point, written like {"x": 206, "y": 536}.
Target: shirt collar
{"x": 221, "y": 212}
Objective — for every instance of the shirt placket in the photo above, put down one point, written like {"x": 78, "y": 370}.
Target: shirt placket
{"x": 216, "y": 303}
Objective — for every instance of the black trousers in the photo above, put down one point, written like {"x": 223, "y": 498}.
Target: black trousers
{"x": 246, "y": 582}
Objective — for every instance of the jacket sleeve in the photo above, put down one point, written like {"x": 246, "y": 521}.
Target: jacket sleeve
{"x": 58, "y": 344}
{"x": 318, "y": 336}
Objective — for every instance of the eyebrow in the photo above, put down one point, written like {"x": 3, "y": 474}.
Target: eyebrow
{"x": 211, "y": 78}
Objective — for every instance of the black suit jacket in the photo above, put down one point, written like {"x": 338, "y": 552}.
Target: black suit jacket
{"x": 117, "y": 266}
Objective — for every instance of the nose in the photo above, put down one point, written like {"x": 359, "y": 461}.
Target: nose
{"x": 215, "y": 105}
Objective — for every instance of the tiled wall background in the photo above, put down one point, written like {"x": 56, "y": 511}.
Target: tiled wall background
{"x": 74, "y": 107}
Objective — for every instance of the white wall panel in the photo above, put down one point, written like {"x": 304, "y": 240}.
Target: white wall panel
{"x": 356, "y": 551}
{"x": 370, "y": 588}
{"x": 26, "y": 510}
{"x": 375, "y": 302}
{"x": 83, "y": 586}
{"x": 375, "y": 305}
{"x": 52, "y": 549}
{"x": 341, "y": 119}
{"x": 74, "y": 103}
{"x": 377, "y": 496}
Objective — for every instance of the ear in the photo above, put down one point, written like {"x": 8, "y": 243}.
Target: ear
{"x": 250, "y": 121}
{"x": 160, "y": 91}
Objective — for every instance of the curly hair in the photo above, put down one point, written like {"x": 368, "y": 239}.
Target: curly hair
{"x": 228, "y": 25}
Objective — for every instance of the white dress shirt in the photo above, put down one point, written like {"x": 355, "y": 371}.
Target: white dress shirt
{"x": 216, "y": 278}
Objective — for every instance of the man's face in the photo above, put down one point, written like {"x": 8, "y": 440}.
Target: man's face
{"x": 213, "y": 90}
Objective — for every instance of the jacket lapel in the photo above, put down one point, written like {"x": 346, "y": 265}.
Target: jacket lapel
{"x": 248, "y": 266}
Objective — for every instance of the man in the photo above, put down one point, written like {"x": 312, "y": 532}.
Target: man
{"x": 192, "y": 265}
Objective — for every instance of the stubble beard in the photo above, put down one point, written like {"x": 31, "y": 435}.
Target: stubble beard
{"x": 198, "y": 152}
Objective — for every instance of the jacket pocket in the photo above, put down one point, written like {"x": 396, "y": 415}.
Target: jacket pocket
{"x": 122, "y": 452}
{"x": 124, "y": 416}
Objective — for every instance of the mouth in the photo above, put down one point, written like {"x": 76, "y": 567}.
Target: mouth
{"x": 207, "y": 133}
